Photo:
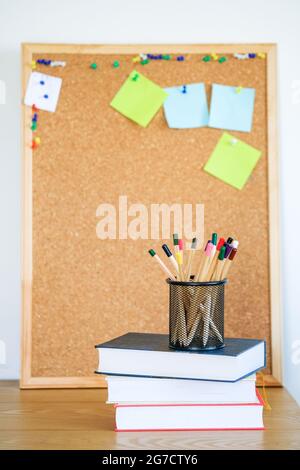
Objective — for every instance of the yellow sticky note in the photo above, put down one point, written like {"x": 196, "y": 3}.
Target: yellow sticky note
{"x": 232, "y": 164}
{"x": 139, "y": 99}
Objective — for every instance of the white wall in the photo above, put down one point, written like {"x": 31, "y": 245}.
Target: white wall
{"x": 155, "y": 21}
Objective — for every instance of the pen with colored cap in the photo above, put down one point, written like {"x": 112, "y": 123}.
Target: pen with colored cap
{"x": 190, "y": 259}
{"x": 228, "y": 249}
{"x": 180, "y": 245}
{"x": 170, "y": 256}
{"x": 179, "y": 260}
{"x": 235, "y": 244}
{"x": 215, "y": 259}
{"x": 162, "y": 265}
{"x": 228, "y": 262}
{"x": 217, "y": 276}
{"x": 210, "y": 247}
{"x": 214, "y": 238}
{"x": 176, "y": 242}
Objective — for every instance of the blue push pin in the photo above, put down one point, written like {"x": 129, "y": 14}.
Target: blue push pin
{"x": 184, "y": 89}
{"x": 42, "y": 82}
{"x": 46, "y": 96}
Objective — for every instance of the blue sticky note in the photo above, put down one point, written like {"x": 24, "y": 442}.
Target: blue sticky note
{"x": 186, "y": 106}
{"x": 231, "y": 108}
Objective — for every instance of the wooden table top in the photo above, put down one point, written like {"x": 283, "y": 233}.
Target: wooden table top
{"x": 80, "y": 419}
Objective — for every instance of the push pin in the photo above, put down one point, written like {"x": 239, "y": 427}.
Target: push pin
{"x": 222, "y": 59}
{"x": 180, "y": 58}
{"x": 37, "y": 140}
{"x": 251, "y": 56}
{"x": 233, "y": 141}
{"x": 206, "y": 58}
{"x": 135, "y": 77}
{"x": 241, "y": 56}
{"x": 261, "y": 55}
{"x": 33, "y": 64}
{"x": 184, "y": 89}
{"x": 214, "y": 56}
{"x": 238, "y": 89}
{"x": 46, "y": 97}
{"x": 136, "y": 59}
{"x": 93, "y": 66}
{"x": 116, "y": 64}
{"x": 42, "y": 82}
{"x": 145, "y": 61}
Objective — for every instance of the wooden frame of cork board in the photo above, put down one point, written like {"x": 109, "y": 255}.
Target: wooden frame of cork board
{"x": 79, "y": 290}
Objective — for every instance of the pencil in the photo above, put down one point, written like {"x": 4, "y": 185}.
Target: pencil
{"x": 215, "y": 259}
{"x": 229, "y": 263}
{"x": 170, "y": 256}
{"x": 179, "y": 262}
{"x": 220, "y": 263}
{"x": 207, "y": 259}
{"x": 190, "y": 259}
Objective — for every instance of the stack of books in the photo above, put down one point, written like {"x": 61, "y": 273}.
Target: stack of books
{"x": 156, "y": 388}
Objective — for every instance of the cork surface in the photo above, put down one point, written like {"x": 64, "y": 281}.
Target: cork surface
{"x": 87, "y": 290}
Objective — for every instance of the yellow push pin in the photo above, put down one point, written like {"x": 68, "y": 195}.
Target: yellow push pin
{"x": 238, "y": 89}
{"x": 37, "y": 140}
{"x": 214, "y": 56}
{"x": 261, "y": 55}
{"x": 33, "y": 64}
{"x": 136, "y": 59}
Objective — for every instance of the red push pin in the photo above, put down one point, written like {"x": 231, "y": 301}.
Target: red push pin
{"x": 34, "y": 108}
{"x": 34, "y": 145}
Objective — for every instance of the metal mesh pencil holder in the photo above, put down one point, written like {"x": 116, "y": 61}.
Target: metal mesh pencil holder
{"x": 196, "y": 315}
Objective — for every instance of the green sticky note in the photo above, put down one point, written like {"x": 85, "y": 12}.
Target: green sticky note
{"x": 232, "y": 161}
{"x": 139, "y": 99}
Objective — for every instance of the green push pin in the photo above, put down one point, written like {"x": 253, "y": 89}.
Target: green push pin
{"x": 93, "y": 66}
{"x": 145, "y": 61}
{"x": 222, "y": 59}
{"x": 116, "y": 64}
{"x": 206, "y": 58}
{"x": 135, "y": 77}
{"x": 166, "y": 57}
{"x": 33, "y": 126}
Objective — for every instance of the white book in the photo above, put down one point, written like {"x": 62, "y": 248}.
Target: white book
{"x": 136, "y": 417}
{"x": 153, "y": 390}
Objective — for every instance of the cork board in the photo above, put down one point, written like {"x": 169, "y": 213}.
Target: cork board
{"x": 79, "y": 290}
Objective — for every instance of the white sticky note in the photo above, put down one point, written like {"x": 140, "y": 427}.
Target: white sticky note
{"x": 43, "y": 91}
